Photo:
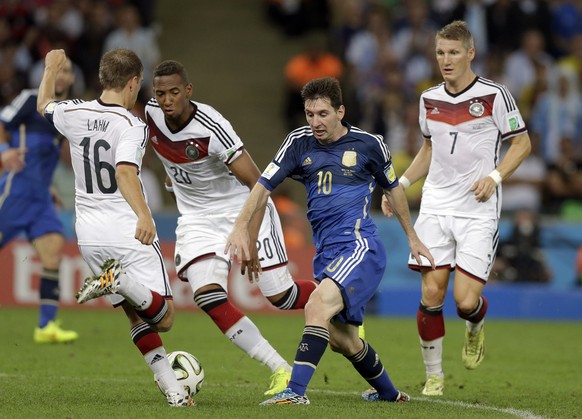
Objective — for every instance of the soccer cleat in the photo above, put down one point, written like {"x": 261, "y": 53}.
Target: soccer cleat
{"x": 279, "y": 380}
{"x": 434, "y": 386}
{"x": 361, "y": 332}
{"x": 286, "y": 396}
{"x": 371, "y": 395}
{"x": 107, "y": 282}
{"x": 176, "y": 399}
{"x": 474, "y": 349}
{"x": 52, "y": 333}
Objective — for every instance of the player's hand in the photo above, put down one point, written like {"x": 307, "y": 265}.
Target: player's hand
{"x": 484, "y": 188}
{"x": 238, "y": 245}
{"x": 386, "y": 207}
{"x": 252, "y": 269}
{"x": 418, "y": 249}
{"x": 55, "y": 59}
{"x": 145, "y": 230}
{"x": 13, "y": 160}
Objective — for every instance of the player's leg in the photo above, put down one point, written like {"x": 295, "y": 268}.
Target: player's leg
{"x": 276, "y": 282}
{"x": 431, "y": 328}
{"x": 436, "y": 234}
{"x": 324, "y": 303}
{"x": 141, "y": 287}
{"x": 149, "y": 343}
{"x": 49, "y": 248}
{"x": 476, "y": 247}
{"x": 208, "y": 279}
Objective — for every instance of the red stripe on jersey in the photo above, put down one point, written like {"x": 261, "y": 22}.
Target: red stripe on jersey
{"x": 457, "y": 113}
{"x": 184, "y": 151}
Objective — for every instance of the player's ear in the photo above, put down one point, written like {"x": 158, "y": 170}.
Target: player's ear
{"x": 341, "y": 111}
{"x": 189, "y": 90}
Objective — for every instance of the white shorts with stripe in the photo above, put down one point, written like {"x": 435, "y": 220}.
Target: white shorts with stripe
{"x": 144, "y": 264}
{"x": 469, "y": 244}
{"x": 198, "y": 239}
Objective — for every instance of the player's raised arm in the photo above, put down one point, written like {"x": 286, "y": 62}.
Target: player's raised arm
{"x": 53, "y": 62}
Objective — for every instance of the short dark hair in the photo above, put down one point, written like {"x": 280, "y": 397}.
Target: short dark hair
{"x": 169, "y": 67}
{"x": 117, "y": 67}
{"x": 457, "y": 30}
{"x": 327, "y": 87}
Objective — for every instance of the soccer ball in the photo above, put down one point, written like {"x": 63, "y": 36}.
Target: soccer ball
{"x": 188, "y": 370}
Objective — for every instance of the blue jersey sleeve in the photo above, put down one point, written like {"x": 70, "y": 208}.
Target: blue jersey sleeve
{"x": 381, "y": 167}
{"x": 285, "y": 164}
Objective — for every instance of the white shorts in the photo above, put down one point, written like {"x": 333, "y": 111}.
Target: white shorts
{"x": 144, "y": 264}
{"x": 200, "y": 238}
{"x": 469, "y": 244}
{"x": 215, "y": 271}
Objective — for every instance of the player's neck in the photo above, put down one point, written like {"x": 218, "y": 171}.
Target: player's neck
{"x": 111, "y": 97}
{"x": 460, "y": 84}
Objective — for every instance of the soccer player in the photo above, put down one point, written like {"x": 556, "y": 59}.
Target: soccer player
{"x": 211, "y": 173}
{"x": 463, "y": 121}
{"x": 115, "y": 229}
{"x": 339, "y": 165}
{"x": 30, "y": 149}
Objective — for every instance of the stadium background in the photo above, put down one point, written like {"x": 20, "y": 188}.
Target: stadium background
{"x": 235, "y": 60}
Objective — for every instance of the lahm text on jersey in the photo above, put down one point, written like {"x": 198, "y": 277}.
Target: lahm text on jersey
{"x": 97, "y": 125}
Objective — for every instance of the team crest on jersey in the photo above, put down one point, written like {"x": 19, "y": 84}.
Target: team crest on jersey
{"x": 476, "y": 109}
{"x": 192, "y": 152}
{"x": 350, "y": 158}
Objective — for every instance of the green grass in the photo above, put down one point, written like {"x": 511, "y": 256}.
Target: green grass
{"x": 532, "y": 369}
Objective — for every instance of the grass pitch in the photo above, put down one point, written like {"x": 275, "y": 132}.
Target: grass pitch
{"x": 531, "y": 369}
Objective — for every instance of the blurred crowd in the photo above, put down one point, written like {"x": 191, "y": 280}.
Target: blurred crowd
{"x": 85, "y": 29}
{"x": 383, "y": 51}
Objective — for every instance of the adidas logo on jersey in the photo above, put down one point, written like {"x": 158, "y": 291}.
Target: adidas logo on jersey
{"x": 307, "y": 161}
{"x": 435, "y": 111}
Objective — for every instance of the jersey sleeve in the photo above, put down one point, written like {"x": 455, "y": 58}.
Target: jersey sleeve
{"x": 132, "y": 145}
{"x": 19, "y": 110}
{"x": 506, "y": 115}
{"x": 225, "y": 144}
{"x": 283, "y": 165}
{"x": 422, "y": 122}
{"x": 54, "y": 113}
{"x": 381, "y": 167}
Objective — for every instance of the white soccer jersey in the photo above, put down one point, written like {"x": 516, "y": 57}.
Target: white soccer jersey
{"x": 466, "y": 130}
{"x": 196, "y": 158}
{"x": 100, "y": 136}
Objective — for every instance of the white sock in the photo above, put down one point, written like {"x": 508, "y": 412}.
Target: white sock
{"x": 247, "y": 336}
{"x": 474, "y": 327}
{"x": 163, "y": 372}
{"x": 432, "y": 354}
{"x": 139, "y": 296}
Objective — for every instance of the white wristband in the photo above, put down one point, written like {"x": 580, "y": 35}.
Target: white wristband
{"x": 169, "y": 188}
{"x": 403, "y": 180}
{"x": 496, "y": 176}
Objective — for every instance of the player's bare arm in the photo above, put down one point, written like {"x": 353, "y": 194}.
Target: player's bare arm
{"x": 247, "y": 172}
{"x": 239, "y": 242}
{"x": 53, "y": 62}
{"x": 417, "y": 170}
{"x": 519, "y": 149}
{"x": 397, "y": 201}
{"x": 130, "y": 187}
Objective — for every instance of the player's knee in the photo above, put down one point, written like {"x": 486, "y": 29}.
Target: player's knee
{"x": 467, "y": 304}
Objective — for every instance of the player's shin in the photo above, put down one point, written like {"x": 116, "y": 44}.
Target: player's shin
{"x": 368, "y": 364}
{"x": 311, "y": 348}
